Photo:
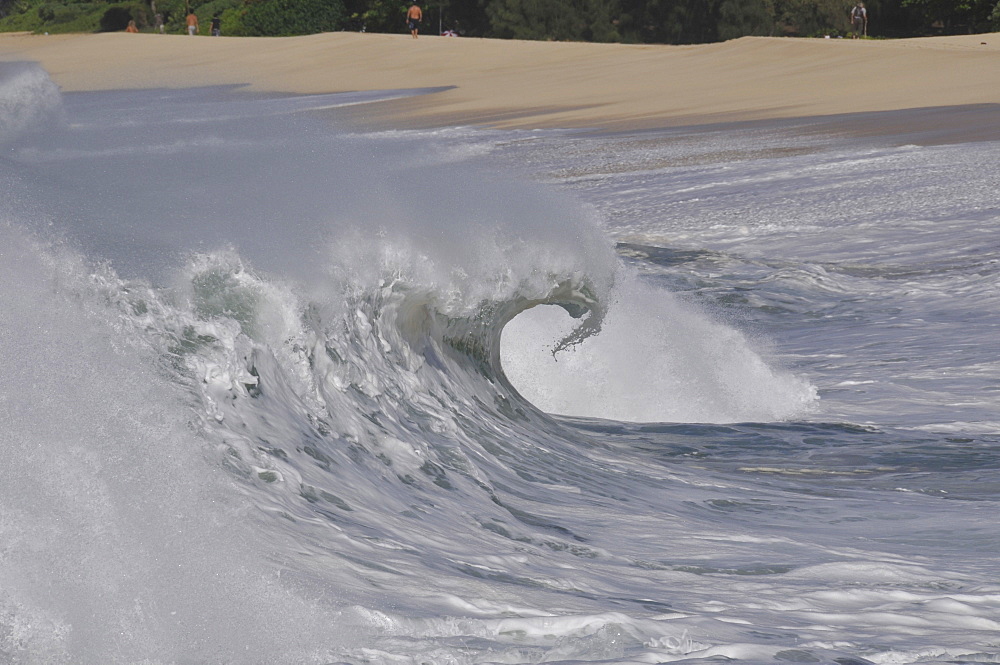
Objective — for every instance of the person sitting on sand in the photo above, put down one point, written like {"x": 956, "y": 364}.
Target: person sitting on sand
{"x": 413, "y": 18}
{"x": 859, "y": 20}
{"x": 131, "y": 27}
{"x": 192, "y": 24}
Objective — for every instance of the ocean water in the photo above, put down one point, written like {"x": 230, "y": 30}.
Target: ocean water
{"x": 279, "y": 391}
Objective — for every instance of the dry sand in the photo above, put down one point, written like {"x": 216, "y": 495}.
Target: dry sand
{"x": 549, "y": 84}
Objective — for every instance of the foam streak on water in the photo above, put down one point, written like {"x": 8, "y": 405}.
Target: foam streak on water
{"x": 276, "y": 392}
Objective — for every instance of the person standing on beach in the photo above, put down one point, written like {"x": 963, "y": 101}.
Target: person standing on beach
{"x": 192, "y": 24}
{"x": 859, "y": 20}
{"x": 216, "y": 26}
{"x": 413, "y": 18}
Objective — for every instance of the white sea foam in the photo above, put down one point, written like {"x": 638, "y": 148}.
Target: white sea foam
{"x": 29, "y": 100}
{"x": 657, "y": 359}
{"x": 256, "y": 409}
{"x": 103, "y": 494}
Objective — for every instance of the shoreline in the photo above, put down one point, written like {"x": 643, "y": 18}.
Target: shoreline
{"x": 942, "y": 125}
{"x": 842, "y": 84}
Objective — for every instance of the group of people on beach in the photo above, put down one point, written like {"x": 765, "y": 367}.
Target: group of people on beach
{"x": 193, "y": 28}
{"x": 858, "y": 17}
{"x": 413, "y": 18}
{"x": 191, "y": 21}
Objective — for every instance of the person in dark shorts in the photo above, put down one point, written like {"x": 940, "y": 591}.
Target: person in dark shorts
{"x": 413, "y": 18}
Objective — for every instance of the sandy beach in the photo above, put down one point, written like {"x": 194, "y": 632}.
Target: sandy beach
{"x": 520, "y": 84}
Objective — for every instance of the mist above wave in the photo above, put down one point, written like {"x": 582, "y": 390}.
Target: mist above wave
{"x": 29, "y": 100}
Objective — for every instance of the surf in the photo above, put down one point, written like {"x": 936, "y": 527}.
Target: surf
{"x": 363, "y": 399}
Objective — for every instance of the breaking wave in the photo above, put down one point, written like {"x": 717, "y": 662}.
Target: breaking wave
{"x": 280, "y": 379}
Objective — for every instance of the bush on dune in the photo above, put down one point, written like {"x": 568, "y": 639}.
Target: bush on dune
{"x": 291, "y": 17}
{"x": 55, "y": 17}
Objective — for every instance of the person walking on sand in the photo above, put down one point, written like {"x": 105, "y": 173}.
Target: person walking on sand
{"x": 859, "y": 20}
{"x": 216, "y": 26}
{"x": 158, "y": 23}
{"x": 192, "y": 24}
{"x": 413, "y": 18}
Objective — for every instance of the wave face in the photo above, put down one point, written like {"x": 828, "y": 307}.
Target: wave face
{"x": 277, "y": 392}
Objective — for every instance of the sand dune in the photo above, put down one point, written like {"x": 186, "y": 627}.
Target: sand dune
{"x": 546, "y": 84}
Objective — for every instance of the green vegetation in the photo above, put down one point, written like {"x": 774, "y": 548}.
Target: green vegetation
{"x": 62, "y": 16}
{"x": 560, "y": 20}
{"x": 633, "y": 21}
{"x": 239, "y": 17}
{"x": 289, "y": 17}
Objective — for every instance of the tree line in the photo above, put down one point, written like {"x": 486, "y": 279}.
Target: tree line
{"x": 628, "y": 21}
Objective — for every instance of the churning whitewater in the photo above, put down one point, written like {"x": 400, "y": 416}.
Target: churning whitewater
{"x": 276, "y": 391}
